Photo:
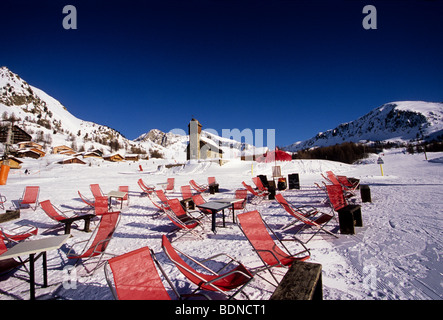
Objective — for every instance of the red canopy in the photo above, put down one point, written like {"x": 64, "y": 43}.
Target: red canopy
{"x": 277, "y": 155}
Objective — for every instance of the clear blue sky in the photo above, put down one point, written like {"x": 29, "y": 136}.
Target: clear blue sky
{"x": 299, "y": 67}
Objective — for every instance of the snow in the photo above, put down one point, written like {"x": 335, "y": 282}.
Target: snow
{"x": 395, "y": 255}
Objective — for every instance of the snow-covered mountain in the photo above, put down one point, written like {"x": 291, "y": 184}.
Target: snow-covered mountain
{"x": 51, "y": 124}
{"x": 400, "y": 121}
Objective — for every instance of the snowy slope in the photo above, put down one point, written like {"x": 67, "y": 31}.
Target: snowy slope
{"x": 47, "y": 120}
{"x": 396, "y": 255}
{"x": 399, "y": 121}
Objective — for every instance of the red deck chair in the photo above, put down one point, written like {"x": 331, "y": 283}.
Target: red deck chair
{"x": 135, "y": 277}
{"x": 257, "y": 181}
{"x": 30, "y": 196}
{"x": 96, "y": 190}
{"x": 336, "y": 197}
{"x": 259, "y": 235}
{"x": 183, "y": 221}
{"x": 99, "y": 241}
{"x": 90, "y": 203}
{"x": 317, "y": 222}
{"x": 17, "y": 234}
{"x": 198, "y": 199}
{"x": 60, "y": 216}
{"x": 126, "y": 197}
{"x": 186, "y": 192}
{"x": 161, "y": 195}
{"x": 259, "y": 196}
{"x": 145, "y": 189}
{"x": 8, "y": 265}
{"x": 305, "y": 210}
{"x": 171, "y": 184}
{"x": 211, "y": 180}
{"x": 198, "y": 187}
{"x": 228, "y": 281}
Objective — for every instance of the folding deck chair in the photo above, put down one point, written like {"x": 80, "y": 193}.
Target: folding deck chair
{"x": 30, "y": 196}
{"x": 257, "y": 181}
{"x": 171, "y": 184}
{"x": 180, "y": 218}
{"x": 305, "y": 210}
{"x": 336, "y": 197}
{"x": 198, "y": 187}
{"x": 96, "y": 190}
{"x": 60, "y": 216}
{"x": 8, "y": 265}
{"x": 96, "y": 246}
{"x": 186, "y": 192}
{"x": 313, "y": 221}
{"x": 135, "y": 277}
{"x": 259, "y": 195}
{"x": 89, "y": 203}
{"x": 342, "y": 181}
{"x": 145, "y": 189}
{"x": 126, "y": 197}
{"x": 17, "y": 234}
{"x": 221, "y": 281}
{"x": 259, "y": 236}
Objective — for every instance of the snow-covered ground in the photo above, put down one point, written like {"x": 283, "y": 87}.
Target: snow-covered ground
{"x": 395, "y": 255}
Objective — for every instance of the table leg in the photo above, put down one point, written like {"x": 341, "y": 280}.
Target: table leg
{"x": 233, "y": 214}
{"x": 31, "y": 277}
{"x": 213, "y": 220}
{"x": 45, "y": 271}
{"x": 223, "y": 211}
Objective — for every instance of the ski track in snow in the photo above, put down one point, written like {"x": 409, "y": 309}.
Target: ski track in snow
{"x": 395, "y": 255}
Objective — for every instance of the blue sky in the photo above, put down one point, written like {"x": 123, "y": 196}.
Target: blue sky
{"x": 298, "y": 67}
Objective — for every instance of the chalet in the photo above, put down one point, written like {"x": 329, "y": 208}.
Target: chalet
{"x": 92, "y": 154}
{"x": 29, "y": 144}
{"x": 31, "y": 153}
{"x": 113, "y": 157}
{"x": 60, "y": 149}
{"x": 132, "y": 157}
{"x": 18, "y": 134}
{"x": 13, "y": 163}
{"x": 71, "y": 160}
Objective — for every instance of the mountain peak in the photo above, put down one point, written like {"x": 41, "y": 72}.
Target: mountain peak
{"x": 399, "y": 121}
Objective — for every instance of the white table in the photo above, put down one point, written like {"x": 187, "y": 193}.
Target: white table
{"x": 31, "y": 248}
{"x": 118, "y": 195}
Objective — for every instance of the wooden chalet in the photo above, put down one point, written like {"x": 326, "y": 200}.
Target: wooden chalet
{"x": 132, "y": 157}
{"x": 30, "y": 153}
{"x": 18, "y": 134}
{"x": 71, "y": 160}
{"x": 61, "y": 149}
{"x": 13, "y": 163}
{"x": 29, "y": 145}
{"x": 116, "y": 157}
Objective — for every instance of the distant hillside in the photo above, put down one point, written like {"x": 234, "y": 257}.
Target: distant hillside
{"x": 400, "y": 121}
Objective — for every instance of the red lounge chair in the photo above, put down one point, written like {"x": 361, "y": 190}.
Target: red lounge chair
{"x": 145, "y": 189}
{"x": 228, "y": 281}
{"x": 30, "y": 196}
{"x": 257, "y": 181}
{"x": 258, "y": 195}
{"x": 186, "y": 192}
{"x": 181, "y": 219}
{"x": 314, "y": 221}
{"x": 60, "y": 216}
{"x": 126, "y": 197}
{"x": 198, "y": 199}
{"x": 8, "y": 265}
{"x": 271, "y": 254}
{"x": 211, "y": 180}
{"x": 90, "y": 204}
{"x": 96, "y": 190}
{"x": 99, "y": 241}
{"x": 170, "y": 185}
{"x": 307, "y": 211}
{"x": 135, "y": 277}
{"x": 198, "y": 187}
{"x": 17, "y": 234}
{"x": 240, "y": 194}
{"x": 336, "y": 197}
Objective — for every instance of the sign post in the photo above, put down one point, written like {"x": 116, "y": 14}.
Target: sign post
{"x": 380, "y": 162}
